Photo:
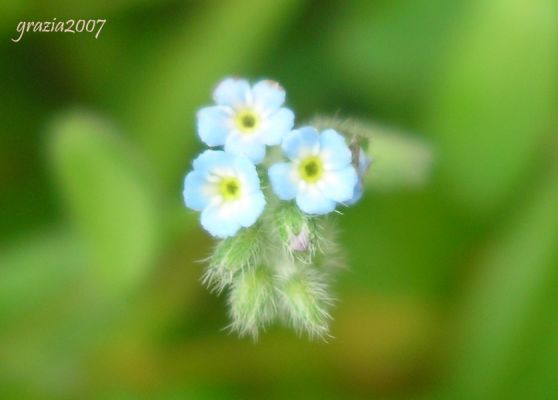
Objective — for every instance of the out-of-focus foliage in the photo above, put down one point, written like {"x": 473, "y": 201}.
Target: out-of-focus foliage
{"x": 108, "y": 196}
{"x": 452, "y": 287}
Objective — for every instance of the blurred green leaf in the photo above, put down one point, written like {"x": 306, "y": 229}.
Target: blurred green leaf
{"x": 496, "y": 99}
{"x": 109, "y": 197}
{"x": 387, "y": 51}
{"x": 399, "y": 161}
{"x": 510, "y": 329}
{"x": 35, "y": 268}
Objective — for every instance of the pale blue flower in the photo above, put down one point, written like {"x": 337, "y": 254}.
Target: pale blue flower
{"x": 245, "y": 118}
{"x": 226, "y": 189}
{"x": 362, "y": 162}
{"x": 319, "y": 175}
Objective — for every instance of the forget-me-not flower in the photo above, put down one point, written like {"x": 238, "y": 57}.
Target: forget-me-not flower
{"x": 226, "y": 189}
{"x": 319, "y": 174}
{"x": 246, "y": 118}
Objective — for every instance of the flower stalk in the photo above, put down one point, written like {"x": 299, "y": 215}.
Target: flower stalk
{"x": 268, "y": 193}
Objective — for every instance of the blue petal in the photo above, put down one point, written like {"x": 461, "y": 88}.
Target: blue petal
{"x": 246, "y": 171}
{"x": 245, "y": 146}
{"x": 195, "y": 195}
{"x": 357, "y": 194}
{"x": 339, "y": 185}
{"x": 232, "y": 92}
{"x": 282, "y": 181}
{"x": 269, "y": 95}
{"x": 335, "y": 152}
{"x": 250, "y": 208}
{"x": 219, "y": 222}
{"x": 278, "y": 124}
{"x": 364, "y": 163}
{"x": 312, "y": 201}
{"x": 212, "y": 125}
{"x": 301, "y": 142}
{"x": 213, "y": 160}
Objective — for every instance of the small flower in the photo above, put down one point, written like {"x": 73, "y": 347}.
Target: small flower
{"x": 226, "y": 189}
{"x": 320, "y": 173}
{"x": 245, "y": 119}
{"x": 362, "y": 163}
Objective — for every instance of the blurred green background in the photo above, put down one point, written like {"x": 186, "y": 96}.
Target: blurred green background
{"x": 452, "y": 287}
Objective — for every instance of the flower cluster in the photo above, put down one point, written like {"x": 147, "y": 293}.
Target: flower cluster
{"x": 305, "y": 175}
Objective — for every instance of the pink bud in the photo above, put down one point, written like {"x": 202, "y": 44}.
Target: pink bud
{"x": 301, "y": 241}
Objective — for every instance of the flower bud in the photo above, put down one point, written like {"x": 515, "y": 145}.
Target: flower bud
{"x": 300, "y": 241}
{"x": 296, "y": 231}
{"x": 304, "y": 300}
{"x": 237, "y": 253}
{"x": 252, "y": 301}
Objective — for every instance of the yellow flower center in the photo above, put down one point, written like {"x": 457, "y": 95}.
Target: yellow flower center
{"x": 247, "y": 121}
{"x": 229, "y": 188}
{"x": 311, "y": 169}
